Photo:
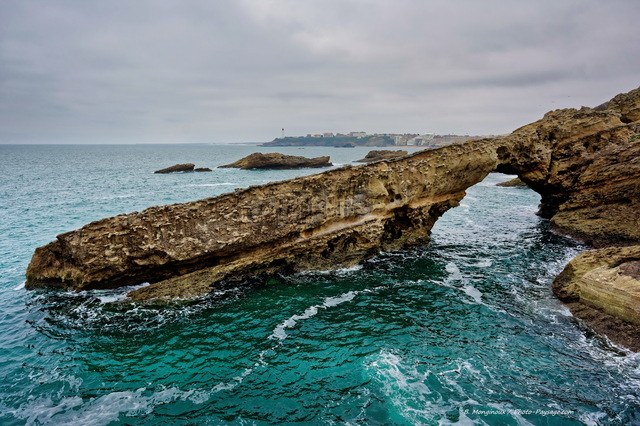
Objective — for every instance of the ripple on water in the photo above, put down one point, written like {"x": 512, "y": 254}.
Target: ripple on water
{"x": 418, "y": 336}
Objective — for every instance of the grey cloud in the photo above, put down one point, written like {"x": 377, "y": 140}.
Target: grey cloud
{"x": 196, "y": 70}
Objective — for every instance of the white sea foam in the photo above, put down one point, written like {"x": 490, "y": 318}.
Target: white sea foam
{"x": 454, "y": 275}
{"x": 20, "y": 286}
{"x": 330, "y": 302}
{"x": 111, "y": 296}
{"x": 454, "y": 271}
{"x": 484, "y": 263}
{"x": 383, "y": 287}
{"x": 406, "y": 389}
{"x": 194, "y": 185}
{"x": 593, "y": 419}
{"x": 390, "y": 371}
{"x": 279, "y": 332}
{"x": 239, "y": 378}
{"x": 563, "y": 310}
{"x": 473, "y": 292}
{"x": 349, "y": 269}
{"x": 104, "y": 409}
{"x": 115, "y": 197}
{"x": 340, "y": 271}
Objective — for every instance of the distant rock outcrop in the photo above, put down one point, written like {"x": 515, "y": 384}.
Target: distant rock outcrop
{"x": 382, "y": 154}
{"x": 203, "y": 169}
{"x": 278, "y": 161}
{"x": 187, "y": 167}
{"x": 515, "y": 182}
{"x": 583, "y": 163}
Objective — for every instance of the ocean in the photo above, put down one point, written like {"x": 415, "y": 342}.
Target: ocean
{"x": 463, "y": 331}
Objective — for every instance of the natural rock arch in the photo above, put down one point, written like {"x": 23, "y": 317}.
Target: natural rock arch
{"x": 582, "y": 162}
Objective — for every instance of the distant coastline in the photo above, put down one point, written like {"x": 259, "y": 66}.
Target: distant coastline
{"x": 354, "y": 139}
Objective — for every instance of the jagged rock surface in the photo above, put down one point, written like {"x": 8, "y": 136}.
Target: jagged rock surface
{"x": 278, "y": 161}
{"x": 382, "y": 154}
{"x": 603, "y": 287}
{"x": 337, "y": 218}
{"x": 187, "y": 167}
{"x": 584, "y": 163}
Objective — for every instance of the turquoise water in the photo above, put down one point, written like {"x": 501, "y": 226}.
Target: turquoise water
{"x": 464, "y": 331}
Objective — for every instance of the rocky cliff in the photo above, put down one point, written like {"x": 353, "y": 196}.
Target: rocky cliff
{"x": 586, "y": 165}
{"x": 603, "y": 287}
{"x": 583, "y": 162}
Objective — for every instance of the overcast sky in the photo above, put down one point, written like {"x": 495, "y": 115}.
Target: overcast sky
{"x": 156, "y": 71}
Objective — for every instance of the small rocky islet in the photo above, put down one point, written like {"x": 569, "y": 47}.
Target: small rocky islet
{"x": 182, "y": 168}
{"x": 277, "y": 161}
{"x": 513, "y": 183}
{"x": 382, "y": 154}
{"x": 583, "y": 163}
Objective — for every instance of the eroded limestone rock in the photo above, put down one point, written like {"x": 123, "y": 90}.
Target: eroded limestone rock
{"x": 584, "y": 163}
{"x": 382, "y": 154}
{"x": 278, "y": 161}
{"x": 607, "y": 281}
{"x": 337, "y": 218}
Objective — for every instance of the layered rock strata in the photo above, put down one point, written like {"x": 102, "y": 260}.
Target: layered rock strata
{"x": 382, "y": 154}
{"x": 603, "y": 287}
{"x": 584, "y": 163}
{"x": 337, "y": 218}
{"x": 278, "y": 161}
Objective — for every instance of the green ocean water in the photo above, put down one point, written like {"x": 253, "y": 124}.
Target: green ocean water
{"x": 463, "y": 331}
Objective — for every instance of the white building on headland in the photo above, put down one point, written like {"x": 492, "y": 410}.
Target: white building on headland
{"x": 422, "y": 140}
{"x": 358, "y": 134}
